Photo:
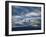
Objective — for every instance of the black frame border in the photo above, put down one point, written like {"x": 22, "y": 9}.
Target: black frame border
{"x": 7, "y": 17}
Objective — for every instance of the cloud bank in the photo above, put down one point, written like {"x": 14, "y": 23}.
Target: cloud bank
{"x": 24, "y": 13}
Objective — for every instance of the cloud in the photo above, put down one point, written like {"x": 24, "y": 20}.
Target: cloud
{"x": 35, "y": 25}
{"x": 19, "y": 19}
{"x": 33, "y": 14}
{"x": 16, "y": 19}
{"x": 21, "y": 10}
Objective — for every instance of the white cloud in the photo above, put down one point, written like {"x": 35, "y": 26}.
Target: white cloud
{"x": 29, "y": 14}
{"x": 35, "y": 25}
{"x": 19, "y": 21}
{"x": 35, "y": 12}
{"x": 32, "y": 14}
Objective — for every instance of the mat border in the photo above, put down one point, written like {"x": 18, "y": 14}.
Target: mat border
{"x": 7, "y": 17}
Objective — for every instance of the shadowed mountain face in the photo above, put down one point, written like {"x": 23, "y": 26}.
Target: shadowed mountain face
{"x": 26, "y": 18}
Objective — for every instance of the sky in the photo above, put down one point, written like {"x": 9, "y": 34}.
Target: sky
{"x": 19, "y": 13}
{"x": 21, "y": 10}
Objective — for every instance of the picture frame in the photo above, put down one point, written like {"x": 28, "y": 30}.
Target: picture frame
{"x": 17, "y": 11}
